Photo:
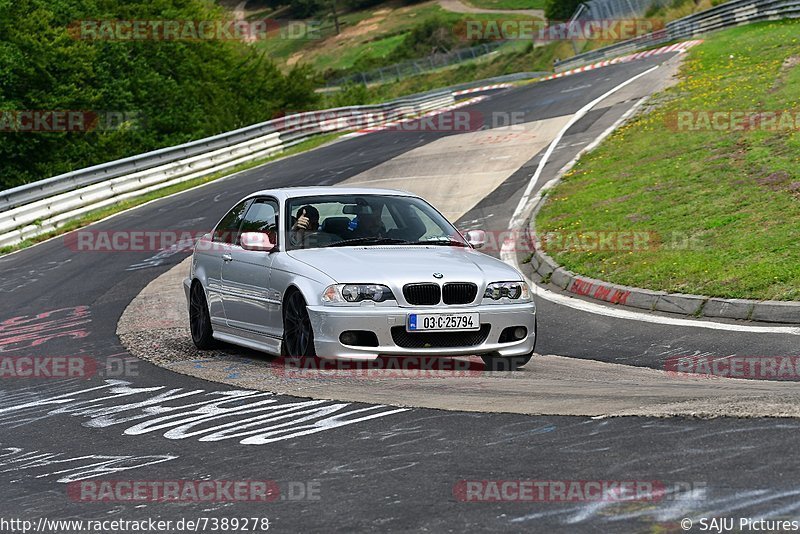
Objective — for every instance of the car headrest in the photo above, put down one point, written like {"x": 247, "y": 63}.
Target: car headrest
{"x": 335, "y": 225}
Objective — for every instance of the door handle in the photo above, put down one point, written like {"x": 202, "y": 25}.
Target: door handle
{"x": 227, "y": 257}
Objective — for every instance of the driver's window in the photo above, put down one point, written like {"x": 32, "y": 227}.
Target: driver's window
{"x": 262, "y": 217}
{"x": 227, "y": 230}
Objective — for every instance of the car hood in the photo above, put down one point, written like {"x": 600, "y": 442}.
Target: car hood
{"x": 398, "y": 265}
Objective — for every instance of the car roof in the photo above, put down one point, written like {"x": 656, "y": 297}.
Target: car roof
{"x": 284, "y": 193}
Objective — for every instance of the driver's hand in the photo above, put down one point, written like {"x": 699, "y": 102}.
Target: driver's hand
{"x": 302, "y": 221}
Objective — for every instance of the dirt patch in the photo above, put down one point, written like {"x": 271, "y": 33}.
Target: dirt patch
{"x": 788, "y": 64}
{"x": 638, "y": 217}
{"x": 775, "y": 180}
{"x": 294, "y": 58}
{"x": 615, "y": 200}
{"x": 364, "y": 27}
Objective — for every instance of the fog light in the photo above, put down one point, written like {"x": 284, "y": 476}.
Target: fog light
{"x": 512, "y": 334}
{"x": 348, "y": 338}
{"x": 358, "y": 338}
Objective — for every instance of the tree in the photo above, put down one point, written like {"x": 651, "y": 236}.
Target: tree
{"x": 168, "y": 92}
{"x": 560, "y": 10}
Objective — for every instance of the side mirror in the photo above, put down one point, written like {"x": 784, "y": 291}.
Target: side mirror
{"x": 256, "y": 241}
{"x": 476, "y": 238}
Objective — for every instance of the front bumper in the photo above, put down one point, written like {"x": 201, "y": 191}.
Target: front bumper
{"x": 187, "y": 289}
{"x": 329, "y": 322}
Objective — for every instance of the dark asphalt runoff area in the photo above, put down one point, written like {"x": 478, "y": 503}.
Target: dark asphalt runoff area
{"x": 349, "y": 467}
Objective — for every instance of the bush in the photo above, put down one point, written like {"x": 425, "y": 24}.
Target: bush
{"x": 560, "y": 10}
{"x": 351, "y": 94}
{"x": 434, "y": 35}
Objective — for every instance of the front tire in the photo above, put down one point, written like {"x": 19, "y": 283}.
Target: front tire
{"x": 505, "y": 363}
{"x": 200, "y": 319}
{"x": 493, "y": 362}
{"x": 298, "y": 335}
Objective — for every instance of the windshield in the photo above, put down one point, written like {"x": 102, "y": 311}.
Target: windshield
{"x": 366, "y": 220}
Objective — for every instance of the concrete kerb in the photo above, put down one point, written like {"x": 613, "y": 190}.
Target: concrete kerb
{"x": 769, "y": 311}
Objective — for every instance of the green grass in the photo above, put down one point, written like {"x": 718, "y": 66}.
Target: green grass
{"x": 380, "y": 48}
{"x": 100, "y": 214}
{"x": 508, "y": 4}
{"x": 731, "y": 196}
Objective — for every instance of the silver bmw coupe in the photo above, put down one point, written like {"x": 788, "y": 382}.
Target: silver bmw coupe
{"x": 355, "y": 274}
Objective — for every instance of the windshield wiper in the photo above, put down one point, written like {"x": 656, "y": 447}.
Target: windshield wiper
{"x": 370, "y": 241}
{"x": 442, "y": 242}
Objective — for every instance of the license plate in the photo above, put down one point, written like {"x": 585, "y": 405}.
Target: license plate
{"x": 439, "y": 322}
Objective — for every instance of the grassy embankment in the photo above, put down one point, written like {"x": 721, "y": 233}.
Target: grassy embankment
{"x": 508, "y": 4}
{"x": 369, "y": 34}
{"x": 723, "y": 201}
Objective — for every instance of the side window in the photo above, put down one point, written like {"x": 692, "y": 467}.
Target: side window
{"x": 228, "y": 228}
{"x": 262, "y": 216}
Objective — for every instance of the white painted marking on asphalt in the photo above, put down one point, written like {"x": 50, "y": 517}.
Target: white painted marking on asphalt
{"x": 72, "y": 469}
{"x": 208, "y": 416}
{"x": 620, "y": 313}
{"x": 578, "y": 88}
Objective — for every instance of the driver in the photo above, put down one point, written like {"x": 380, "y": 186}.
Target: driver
{"x": 368, "y": 225}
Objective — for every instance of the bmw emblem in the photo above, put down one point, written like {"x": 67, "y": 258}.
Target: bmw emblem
{"x": 438, "y": 275}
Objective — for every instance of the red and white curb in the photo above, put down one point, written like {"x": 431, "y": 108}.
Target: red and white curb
{"x": 386, "y": 126}
{"x": 484, "y": 88}
{"x": 678, "y": 47}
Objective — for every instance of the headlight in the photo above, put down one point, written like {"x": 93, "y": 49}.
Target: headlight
{"x": 518, "y": 291}
{"x": 357, "y": 293}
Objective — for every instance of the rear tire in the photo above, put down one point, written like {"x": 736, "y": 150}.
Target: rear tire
{"x": 200, "y": 319}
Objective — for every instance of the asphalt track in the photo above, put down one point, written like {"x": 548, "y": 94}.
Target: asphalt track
{"x": 388, "y": 470}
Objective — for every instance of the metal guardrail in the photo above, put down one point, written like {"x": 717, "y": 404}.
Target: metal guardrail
{"x": 729, "y": 14}
{"x": 619, "y": 9}
{"x": 42, "y": 206}
{"x": 514, "y": 77}
{"x": 413, "y": 67}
